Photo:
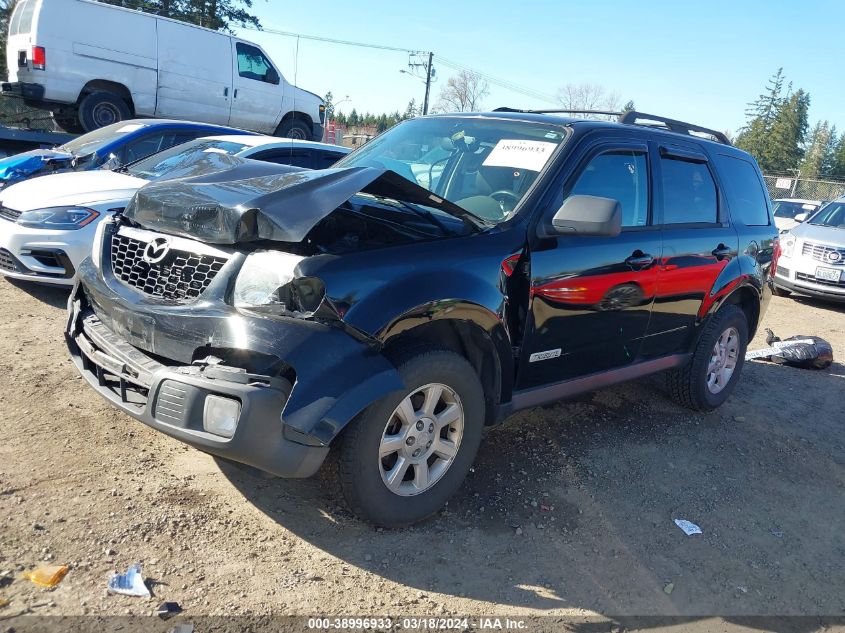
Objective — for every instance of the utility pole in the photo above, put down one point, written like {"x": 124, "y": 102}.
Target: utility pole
{"x": 428, "y": 70}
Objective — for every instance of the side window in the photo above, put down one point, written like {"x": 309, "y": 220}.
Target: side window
{"x": 746, "y": 197}
{"x": 297, "y": 158}
{"x": 689, "y": 193}
{"x": 252, "y": 64}
{"x": 136, "y": 150}
{"x": 622, "y": 176}
{"x": 324, "y": 160}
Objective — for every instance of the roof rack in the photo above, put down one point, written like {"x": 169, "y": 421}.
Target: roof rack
{"x": 633, "y": 117}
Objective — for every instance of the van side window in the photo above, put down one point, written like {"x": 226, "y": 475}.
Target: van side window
{"x": 746, "y": 196}
{"x": 622, "y": 176}
{"x": 252, "y": 64}
{"x": 689, "y": 193}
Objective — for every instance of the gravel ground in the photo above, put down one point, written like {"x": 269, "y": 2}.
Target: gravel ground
{"x": 568, "y": 512}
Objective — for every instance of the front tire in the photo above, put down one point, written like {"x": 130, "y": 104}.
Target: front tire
{"x": 404, "y": 456}
{"x": 712, "y": 373}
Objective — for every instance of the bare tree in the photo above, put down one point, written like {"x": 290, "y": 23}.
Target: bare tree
{"x": 463, "y": 93}
{"x": 587, "y": 96}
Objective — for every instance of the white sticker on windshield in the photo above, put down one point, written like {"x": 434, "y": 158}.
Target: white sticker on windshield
{"x": 214, "y": 150}
{"x": 520, "y": 154}
{"x": 132, "y": 127}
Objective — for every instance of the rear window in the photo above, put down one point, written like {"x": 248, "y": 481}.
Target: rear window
{"x": 22, "y": 17}
{"x": 746, "y": 197}
{"x": 689, "y": 193}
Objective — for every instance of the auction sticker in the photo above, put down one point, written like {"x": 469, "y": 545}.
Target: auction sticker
{"x": 520, "y": 154}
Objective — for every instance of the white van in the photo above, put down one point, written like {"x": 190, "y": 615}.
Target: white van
{"x": 93, "y": 64}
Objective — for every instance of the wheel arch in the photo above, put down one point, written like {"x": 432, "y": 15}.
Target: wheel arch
{"x": 747, "y": 297}
{"x": 105, "y": 85}
{"x": 297, "y": 116}
{"x": 468, "y": 329}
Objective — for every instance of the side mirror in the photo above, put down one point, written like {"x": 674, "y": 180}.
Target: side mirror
{"x": 272, "y": 76}
{"x": 801, "y": 217}
{"x": 587, "y": 215}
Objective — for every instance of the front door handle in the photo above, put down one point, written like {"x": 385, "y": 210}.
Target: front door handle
{"x": 721, "y": 251}
{"x": 639, "y": 260}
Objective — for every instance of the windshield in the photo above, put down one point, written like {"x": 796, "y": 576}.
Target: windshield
{"x": 832, "y": 214}
{"x": 784, "y": 209}
{"x": 482, "y": 164}
{"x": 93, "y": 141}
{"x": 187, "y": 154}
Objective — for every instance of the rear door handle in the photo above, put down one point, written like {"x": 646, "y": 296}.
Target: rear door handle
{"x": 721, "y": 251}
{"x": 638, "y": 259}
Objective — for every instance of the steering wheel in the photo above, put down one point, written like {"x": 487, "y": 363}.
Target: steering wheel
{"x": 503, "y": 197}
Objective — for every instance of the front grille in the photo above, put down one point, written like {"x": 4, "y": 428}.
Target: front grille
{"x": 9, "y": 214}
{"x": 8, "y": 262}
{"x": 823, "y": 282}
{"x": 180, "y": 276}
{"x": 780, "y": 271}
{"x": 821, "y": 252}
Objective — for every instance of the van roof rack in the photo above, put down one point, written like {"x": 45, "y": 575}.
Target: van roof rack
{"x": 632, "y": 117}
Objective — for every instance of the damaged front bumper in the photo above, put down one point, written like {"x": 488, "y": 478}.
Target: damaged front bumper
{"x": 141, "y": 357}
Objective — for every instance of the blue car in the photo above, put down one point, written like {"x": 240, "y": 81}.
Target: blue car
{"x": 114, "y": 145}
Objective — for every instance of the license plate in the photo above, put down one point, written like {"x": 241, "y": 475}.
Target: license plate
{"x": 828, "y": 274}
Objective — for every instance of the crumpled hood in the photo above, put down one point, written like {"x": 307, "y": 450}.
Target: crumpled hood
{"x": 282, "y": 208}
{"x": 71, "y": 188}
{"x": 22, "y": 165}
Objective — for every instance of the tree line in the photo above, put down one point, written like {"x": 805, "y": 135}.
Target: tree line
{"x": 778, "y": 134}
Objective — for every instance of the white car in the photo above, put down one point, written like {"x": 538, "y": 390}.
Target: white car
{"x": 47, "y": 224}
{"x": 812, "y": 255}
{"x": 790, "y": 212}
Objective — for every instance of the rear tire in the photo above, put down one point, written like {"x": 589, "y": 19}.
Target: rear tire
{"x": 101, "y": 108}
{"x": 294, "y": 128}
{"x": 710, "y": 376}
{"x": 440, "y": 417}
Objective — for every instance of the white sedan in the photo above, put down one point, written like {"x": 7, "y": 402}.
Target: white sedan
{"x": 47, "y": 224}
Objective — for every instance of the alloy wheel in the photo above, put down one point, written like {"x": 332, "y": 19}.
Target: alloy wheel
{"x": 723, "y": 360}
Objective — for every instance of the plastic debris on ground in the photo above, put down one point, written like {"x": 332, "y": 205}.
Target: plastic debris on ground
{"x": 668, "y": 588}
{"x": 47, "y": 576}
{"x": 4, "y": 603}
{"x": 688, "y": 527}
{"x": 168, "y": 609}
{"x": 806, "y": 352}
{"x": 129, "y": 584}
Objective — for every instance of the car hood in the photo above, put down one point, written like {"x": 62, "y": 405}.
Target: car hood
{"x": 28, "y": 163}
{"x": 240, "y": 207}
{"x": 816, "y": 233}
{"x": 71, "y": 188}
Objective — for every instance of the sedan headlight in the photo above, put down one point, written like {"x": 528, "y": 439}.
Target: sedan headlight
{"x": 261, "y": 277}
{"x": 787, "y": 244}
{"x": 62, "y": 218}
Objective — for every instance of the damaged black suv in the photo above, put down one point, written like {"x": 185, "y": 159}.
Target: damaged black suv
{"x": 448, "y": 273}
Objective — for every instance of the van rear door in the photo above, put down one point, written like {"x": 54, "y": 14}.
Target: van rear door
{"x": 194, "y": 73}
{"x": 19, "y": 44}
{"x": 259, "y": 88}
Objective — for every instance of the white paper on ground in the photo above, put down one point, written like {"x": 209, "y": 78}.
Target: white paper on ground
{"x": 520, "y": 154}
{"x": 129, "y": 584}
{"x": 688, "y": 527}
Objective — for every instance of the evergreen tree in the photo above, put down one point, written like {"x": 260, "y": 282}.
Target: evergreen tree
{"x": 411, "y": 111}
{"x": 354, "y": 118}
{"x": 819, "y": 157}
{"x": 761, "y": 114}
{"x": 219, "y": 15}
{"x": 783, "y": 149}
{"x": 837, "y": 167}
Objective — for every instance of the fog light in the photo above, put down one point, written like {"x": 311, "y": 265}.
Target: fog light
{"x": 220, "y": 415}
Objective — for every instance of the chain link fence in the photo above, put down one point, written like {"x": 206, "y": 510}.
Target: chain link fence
{"x": 13, "y": 113}
{"x": 788, "y": 186}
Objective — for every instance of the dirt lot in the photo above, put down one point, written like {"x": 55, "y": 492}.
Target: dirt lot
{"x": 568, "y": 511}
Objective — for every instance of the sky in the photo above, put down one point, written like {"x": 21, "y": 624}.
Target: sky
{"x": 700, "y": 62}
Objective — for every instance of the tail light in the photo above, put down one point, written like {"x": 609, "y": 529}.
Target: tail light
{"x": 39, "y": 57}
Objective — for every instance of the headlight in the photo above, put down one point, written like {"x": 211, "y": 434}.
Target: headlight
{"x": 787, "y": 245}
{"x": 261, "y": 276}
{"x": 67, "y": 218}
{"x": 97, "y": 247}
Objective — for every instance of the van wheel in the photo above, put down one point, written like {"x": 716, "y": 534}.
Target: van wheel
{"x": 404, "y": 456}
{"x": 294, "y": 128}
{"x": 102, "y": 108}
{"x": 710, "y": 376}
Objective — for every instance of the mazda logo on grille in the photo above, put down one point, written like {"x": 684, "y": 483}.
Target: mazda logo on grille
{"x": 834, "y": 256}
{"x": 156, "y": 250}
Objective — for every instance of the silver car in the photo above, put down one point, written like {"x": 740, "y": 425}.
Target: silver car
{"x": 812, "y": 255}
